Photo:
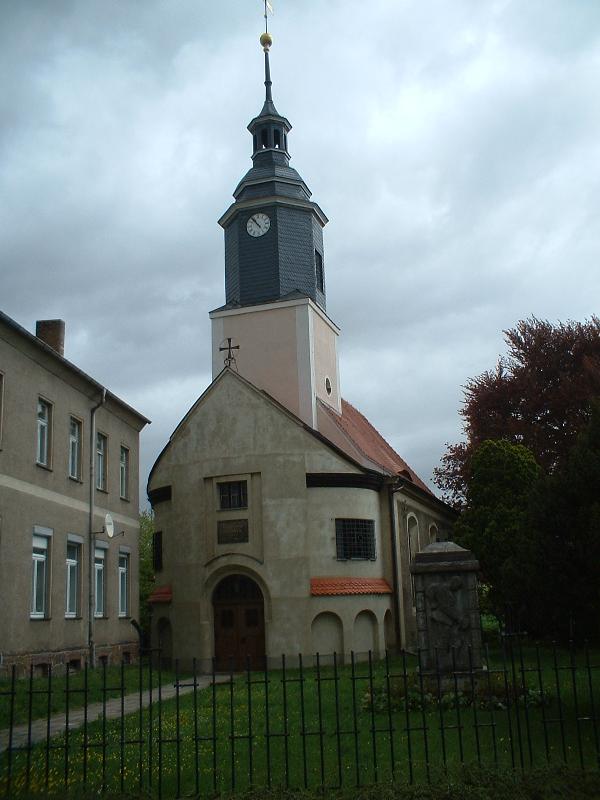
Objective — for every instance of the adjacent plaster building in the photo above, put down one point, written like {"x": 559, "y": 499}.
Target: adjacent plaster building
{"x": 285, "y": 522}
{"x": 62, "y": 432}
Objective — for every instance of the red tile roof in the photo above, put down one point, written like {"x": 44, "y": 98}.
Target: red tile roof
{"x": 362, "y": 436}
{"x": 161, "y": 594}
{"x": 333, "y": 586}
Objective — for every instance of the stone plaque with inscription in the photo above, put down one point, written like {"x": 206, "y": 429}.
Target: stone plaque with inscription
{"x": 232, "y": 531}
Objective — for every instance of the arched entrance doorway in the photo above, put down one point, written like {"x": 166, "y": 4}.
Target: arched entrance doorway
{"x": 239, "y": 623}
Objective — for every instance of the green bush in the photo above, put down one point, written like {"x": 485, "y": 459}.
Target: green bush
{"x": 493, "y": 691}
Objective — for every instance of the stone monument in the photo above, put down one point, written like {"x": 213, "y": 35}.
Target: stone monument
{"x": 448, "y": 625}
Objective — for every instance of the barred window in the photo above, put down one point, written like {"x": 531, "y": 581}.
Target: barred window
{"x": 355, "y": 539}
{"x": 233, "y": 494}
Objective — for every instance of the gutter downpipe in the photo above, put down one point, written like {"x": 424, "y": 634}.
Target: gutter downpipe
{"x": 392, "y": 487}
{"x": 92, "y": 535}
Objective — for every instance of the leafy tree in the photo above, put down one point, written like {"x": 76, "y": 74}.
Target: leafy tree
{"x": 538, "y": 396}
{"x": 495, "y": 524}
{"x": 565, "y": 524}
{"x": 146, "y": 569}
{"x": 537, "y": 535}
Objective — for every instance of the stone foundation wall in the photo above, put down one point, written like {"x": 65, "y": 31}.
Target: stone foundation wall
{"x": 59, "y": 659}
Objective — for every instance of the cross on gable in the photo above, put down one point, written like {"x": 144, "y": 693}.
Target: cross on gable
{"x": 229, "y": 358}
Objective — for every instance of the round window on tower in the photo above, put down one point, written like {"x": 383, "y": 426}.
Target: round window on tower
{"x": 327, "y": 385}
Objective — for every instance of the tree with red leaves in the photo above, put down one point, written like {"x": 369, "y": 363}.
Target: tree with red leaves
{"x": 538, "y": 396}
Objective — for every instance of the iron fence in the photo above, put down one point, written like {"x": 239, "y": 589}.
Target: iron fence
{"x": 318, "y": 722}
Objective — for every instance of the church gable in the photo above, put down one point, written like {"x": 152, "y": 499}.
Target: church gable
{"x": 232, "y": 427}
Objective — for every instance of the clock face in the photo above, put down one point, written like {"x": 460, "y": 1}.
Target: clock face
{"x": 258, "y": 224}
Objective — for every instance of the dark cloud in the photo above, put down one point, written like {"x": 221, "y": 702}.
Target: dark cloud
{"x": 453, "y": 146}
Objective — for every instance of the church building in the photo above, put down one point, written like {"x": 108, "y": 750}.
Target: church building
{"x": 285, "y": 523}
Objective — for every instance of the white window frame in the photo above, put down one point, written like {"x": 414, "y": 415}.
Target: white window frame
{"x": 73, "y": 576}
{"x": 75, "y": 448}
{"x": 44, "y": 434}
{"x": 101, "y": 461}
{"x": 124, "y": 472}
{"x": 100, "y": 577}
{"x": 40, "y": 560}
{"x": 123, "y": 584}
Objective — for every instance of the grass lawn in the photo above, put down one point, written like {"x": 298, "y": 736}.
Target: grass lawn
{"x": 319, "y": 728}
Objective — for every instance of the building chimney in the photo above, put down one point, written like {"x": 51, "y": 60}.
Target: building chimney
{"x": 52, "y": 332}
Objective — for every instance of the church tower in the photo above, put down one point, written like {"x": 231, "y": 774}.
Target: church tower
{"x": 275, "y": 309}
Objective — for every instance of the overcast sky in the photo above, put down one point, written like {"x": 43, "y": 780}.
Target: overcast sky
{"x": 453, "y": 144}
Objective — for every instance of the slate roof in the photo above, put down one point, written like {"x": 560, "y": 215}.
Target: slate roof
{"x": 338, "y": 586}
{"x": 352, "y": 432}
{"x": 161, "y": 594}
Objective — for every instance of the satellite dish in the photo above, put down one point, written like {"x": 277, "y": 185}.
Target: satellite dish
{"x": 109, "y": 526}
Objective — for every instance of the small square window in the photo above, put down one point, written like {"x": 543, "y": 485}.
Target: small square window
{"x": 355, "y": 539}
{"x": 233, "y": 494}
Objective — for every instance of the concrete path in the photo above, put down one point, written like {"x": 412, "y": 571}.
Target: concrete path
{"x": 131, "y": 704}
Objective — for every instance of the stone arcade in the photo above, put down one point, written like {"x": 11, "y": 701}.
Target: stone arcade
{"x": 285, "y": 522}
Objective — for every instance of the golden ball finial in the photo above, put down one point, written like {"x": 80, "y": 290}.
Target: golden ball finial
{"x": 266, "y": 40}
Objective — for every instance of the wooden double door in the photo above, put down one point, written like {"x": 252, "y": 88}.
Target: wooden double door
{"x": 239, "y": 624}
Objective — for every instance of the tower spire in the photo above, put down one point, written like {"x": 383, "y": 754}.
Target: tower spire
{"x": 268, "y": 82}
{"x": 266, "y": 41}
{"x": 273, "y": 231}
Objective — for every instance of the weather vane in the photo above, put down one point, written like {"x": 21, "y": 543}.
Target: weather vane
{"x": 229, "y": 359}
{"x": 268, "y": 7}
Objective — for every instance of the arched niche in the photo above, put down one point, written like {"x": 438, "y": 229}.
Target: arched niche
{"x": 364, "y": 634}
{"x": 327, "y": 636}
